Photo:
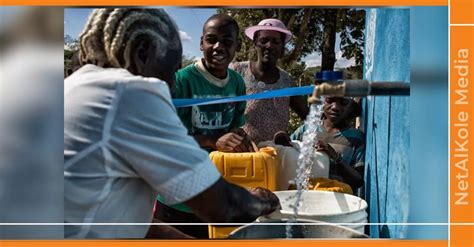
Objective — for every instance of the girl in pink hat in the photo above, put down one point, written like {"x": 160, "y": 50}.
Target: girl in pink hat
{"x": 269, "y": 116}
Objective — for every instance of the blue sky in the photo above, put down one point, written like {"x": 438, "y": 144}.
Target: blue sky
{"x": 189, "y": 21}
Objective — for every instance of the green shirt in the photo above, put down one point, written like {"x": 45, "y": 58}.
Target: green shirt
{"x": 208, "y": 119}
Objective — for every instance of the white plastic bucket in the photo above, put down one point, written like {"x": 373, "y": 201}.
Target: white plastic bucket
{"x": 303, "y": 229}
{"x": 332, "y": 207}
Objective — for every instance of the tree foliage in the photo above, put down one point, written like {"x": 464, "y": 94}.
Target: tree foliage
{"x": 68, "y": 55}
{"x": 350, "y": 26}
{"x": 310, "y": 29}
{"x": 187, "y": 60}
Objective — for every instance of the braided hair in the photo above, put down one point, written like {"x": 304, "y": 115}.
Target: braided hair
{"x": 111, "y": 35}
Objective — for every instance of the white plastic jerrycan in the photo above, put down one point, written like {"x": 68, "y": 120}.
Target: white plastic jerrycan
{"x": 288, "y": 163}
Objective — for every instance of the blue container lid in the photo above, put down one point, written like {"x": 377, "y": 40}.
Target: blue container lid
{"x": 328, "y": 75}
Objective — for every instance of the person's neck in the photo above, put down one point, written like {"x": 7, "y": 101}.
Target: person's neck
{"x": 332, "y": 127}
{"x": 265, "y": 72}
{"x": 221, "y": 74}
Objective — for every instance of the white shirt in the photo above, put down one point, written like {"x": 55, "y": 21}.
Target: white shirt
{"x": 123, "y": 144}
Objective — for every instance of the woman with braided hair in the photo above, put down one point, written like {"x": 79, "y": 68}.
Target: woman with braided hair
{"x": 120, "y": 38}
{"x": 124, "y": 143}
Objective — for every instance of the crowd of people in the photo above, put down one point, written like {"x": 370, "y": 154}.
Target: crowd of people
{"x": 127, "y": 149}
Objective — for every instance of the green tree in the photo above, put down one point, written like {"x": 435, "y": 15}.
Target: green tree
{"x": 350, "y": 26}
{"x": 68, "y": 62}
{"x": 314, "y": 30}
{"x": 68, "y": 54}
{"x": 186, "y": 60}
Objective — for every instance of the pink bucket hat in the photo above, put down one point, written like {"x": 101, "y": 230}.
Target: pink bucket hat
{"x": 269, "y": 24}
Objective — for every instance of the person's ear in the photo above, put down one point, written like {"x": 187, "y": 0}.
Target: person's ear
{"x": 239, "y": 45}
{"x": 201, "y": 44}
{"x": 141, "y": 56}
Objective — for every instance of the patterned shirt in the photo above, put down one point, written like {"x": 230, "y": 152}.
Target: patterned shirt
{"x": 264, "y": 117}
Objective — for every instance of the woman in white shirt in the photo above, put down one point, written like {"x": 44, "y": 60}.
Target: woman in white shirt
{"x": 124, "y": 143}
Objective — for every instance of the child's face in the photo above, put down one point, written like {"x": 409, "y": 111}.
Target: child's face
{"x": 337, "y": 109}
{"x": 219, "y": 44}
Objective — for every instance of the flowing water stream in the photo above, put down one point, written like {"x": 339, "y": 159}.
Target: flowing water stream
{"x": 305, "y": 160}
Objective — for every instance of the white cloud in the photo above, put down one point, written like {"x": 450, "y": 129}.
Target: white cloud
{"x": 343, "y": 62}
{"x": 184, "y": 36}
{"x": 314, "y": 59}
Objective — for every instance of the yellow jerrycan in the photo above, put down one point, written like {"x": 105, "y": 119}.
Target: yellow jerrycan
{"x": 249, "y": 170}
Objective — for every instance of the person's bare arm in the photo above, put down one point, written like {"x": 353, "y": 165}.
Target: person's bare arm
{"x": 207, "y": 141}
{"x": 234, "y": 141}
{"x": 300, "y": 106}
{"x": 350, "y": 175}
{"x": 225, "y": 202}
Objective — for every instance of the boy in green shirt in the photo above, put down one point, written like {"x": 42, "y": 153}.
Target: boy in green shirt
{"x": 215, "y": 127}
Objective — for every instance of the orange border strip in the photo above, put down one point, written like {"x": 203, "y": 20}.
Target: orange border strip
{"x": 227, "y": 243}
{"x": 461, "y": 128}
{"x": 216, "y": 243}
{"x": 461, "y": 11}
{"x": 462, "y": 124}
{"x": 243, "y": 3}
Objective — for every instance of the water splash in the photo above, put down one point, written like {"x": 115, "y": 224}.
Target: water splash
{"x": 370, "y": 43}
{"x": 305, "y": 160}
